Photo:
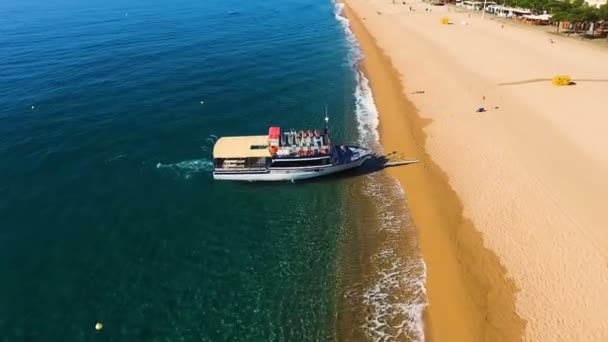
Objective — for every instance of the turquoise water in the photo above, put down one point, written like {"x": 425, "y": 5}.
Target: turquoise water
{"x": 108, "y": 212}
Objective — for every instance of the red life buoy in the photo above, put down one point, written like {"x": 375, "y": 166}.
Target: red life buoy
{"x": 300, "y": 152}
{"x": 323, "y": 151}
{"x": 309, "y": 153}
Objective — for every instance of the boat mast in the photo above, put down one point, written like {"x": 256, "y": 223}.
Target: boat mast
{"x": 326, "y": 121}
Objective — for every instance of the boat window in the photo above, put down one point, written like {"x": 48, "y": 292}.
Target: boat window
{"x": 243, "y": 163}
{"x": 256, "y": 163}
{"x": 259, "y": 147}
{"x": 300, "y": 163}
{"x": 229, "y": 163}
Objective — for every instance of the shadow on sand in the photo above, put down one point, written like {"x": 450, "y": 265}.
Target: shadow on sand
{"x": 536, "y": 80}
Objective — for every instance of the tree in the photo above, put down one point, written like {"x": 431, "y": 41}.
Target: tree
{"x": 578, "y": 3}
{"x": 603, "y": 12}
{"x": 574, "y": 11}
{"x": 590, "y": 14}
{"x": 560, "y": 17}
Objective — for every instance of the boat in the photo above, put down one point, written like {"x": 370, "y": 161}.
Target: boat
{"x": 289, "y": 156}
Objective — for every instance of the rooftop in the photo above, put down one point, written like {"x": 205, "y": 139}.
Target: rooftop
{"x": 253, "y": 146}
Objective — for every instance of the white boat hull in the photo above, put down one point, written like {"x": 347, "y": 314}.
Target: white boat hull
{"x": 288, "y": 174}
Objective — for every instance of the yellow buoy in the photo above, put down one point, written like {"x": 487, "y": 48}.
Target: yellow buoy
{"x": 561, "y": 80}
{"x": 98, "y": 326}
{"x": 445, "y": 21}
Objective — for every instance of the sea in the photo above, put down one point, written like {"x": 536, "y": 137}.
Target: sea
{"x": 108, "y": 211}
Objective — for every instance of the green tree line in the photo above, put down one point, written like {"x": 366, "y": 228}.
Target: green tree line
{"x": 573, "y": 11}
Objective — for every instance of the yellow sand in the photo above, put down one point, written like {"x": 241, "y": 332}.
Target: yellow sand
{"x": 532, "y": 174}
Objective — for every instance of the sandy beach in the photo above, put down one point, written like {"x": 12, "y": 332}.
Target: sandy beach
{"x": 508, "y": 203}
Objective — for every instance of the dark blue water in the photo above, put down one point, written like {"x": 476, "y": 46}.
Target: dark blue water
{"x": 108, "y": 212}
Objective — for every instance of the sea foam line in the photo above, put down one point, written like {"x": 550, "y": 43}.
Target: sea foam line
{"x": 397, "y": 297}
{"x": 365, "y": 107}
{"x": 354, "y": 52}
{"x": 399, "y": 292}
{"x": 367, "y": 114}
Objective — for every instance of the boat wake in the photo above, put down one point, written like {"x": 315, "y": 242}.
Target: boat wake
{"x": 116, "y": 157}
{"x": 188, "y": 168}
{"x": 396, "y": 295}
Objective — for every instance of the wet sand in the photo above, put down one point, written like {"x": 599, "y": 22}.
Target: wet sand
{"x": 381, "y": 279}
{"x": 470, "y": 299}
{"x": 526, "y": 179}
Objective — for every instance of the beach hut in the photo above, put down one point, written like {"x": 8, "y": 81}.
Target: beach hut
{"x": 507, "y": 12}
{"x": 472, "y": 5}
{"x": 541, "y": 19}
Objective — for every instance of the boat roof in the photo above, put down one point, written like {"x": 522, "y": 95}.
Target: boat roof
{"x": 253, "y": 146}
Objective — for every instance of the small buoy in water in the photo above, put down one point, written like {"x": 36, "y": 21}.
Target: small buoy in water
{"x": 98, "y": 326}
{"x": 33, "y": 107}
{"x": 202, "y": 102}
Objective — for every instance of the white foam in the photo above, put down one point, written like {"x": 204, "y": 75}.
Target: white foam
{"x": 354, "y": 52}
{"x": 365, "y": 107}
{"x": 187, "y": 168}
{"x": 393, "y": 318}
{"x": 397, "y": 298}
{"x": 367, "y": 114}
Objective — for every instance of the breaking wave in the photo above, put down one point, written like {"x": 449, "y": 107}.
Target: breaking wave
{"x": 367, "y": 114}
{"x": 396, "y": 297}
{"x": 354, "y": 52}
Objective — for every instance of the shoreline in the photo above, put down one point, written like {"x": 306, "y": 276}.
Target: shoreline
{"x": 381, "y": 279}
{"x": 519, "y": 185}
{"x": 461, "y": 273}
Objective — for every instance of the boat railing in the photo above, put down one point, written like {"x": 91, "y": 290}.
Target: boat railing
{"x": 240, "y": 168}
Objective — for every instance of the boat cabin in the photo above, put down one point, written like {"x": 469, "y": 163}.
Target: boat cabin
{"x": 291, "y": 149}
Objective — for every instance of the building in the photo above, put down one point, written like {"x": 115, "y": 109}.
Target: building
{"x": 508, "y": 12}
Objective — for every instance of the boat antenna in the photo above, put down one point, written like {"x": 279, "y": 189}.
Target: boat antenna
{"x": 326, "y": 120}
